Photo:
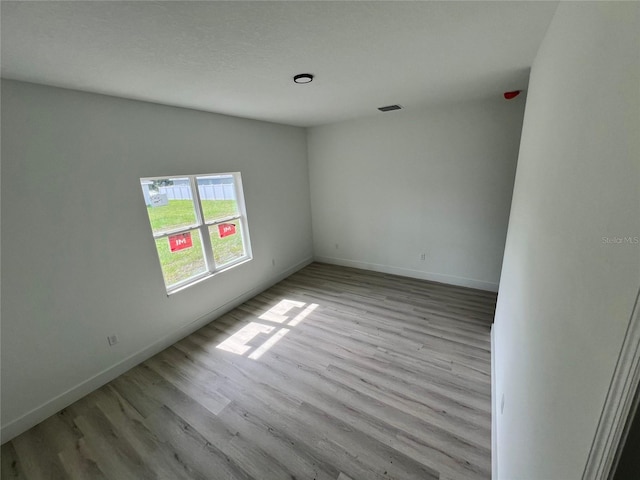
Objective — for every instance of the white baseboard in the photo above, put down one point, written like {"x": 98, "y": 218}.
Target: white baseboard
{"x": 407, "y": 272}
{"x": 44, "y": 411}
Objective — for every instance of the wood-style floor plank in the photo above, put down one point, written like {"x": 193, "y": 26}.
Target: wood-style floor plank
{"x": 10, "y": 468}
{"x": 332, "y": 374}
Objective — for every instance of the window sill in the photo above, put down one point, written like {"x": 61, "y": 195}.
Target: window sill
{"x": 207, "y": 276}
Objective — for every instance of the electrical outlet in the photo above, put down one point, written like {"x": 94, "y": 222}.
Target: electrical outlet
{"x": 337, "y": 246}
{"x": 502, "y": 405}
{"x": 112, "y": 339}
{"x": 423, "y": 256}
{"x": 273, "y": 262}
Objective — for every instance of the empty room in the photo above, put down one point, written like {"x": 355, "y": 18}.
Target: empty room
{"x": 330, "y": 240}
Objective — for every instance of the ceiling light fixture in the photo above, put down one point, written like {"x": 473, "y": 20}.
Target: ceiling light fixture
{"x": 303, "y": 78}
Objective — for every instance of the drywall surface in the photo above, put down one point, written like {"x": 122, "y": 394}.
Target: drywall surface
{"x": 386, "y": 189}
{"x": 572, "y": 258}
{"x": 79, "y": 261}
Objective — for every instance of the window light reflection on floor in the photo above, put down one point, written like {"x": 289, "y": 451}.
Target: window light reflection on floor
{"x": 268, "y": 344}
{"x": 277, "y": 313}
{"x": 237, "y": 343}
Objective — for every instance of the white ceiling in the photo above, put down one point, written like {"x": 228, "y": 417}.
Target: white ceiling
{"x": 238, "y": 58}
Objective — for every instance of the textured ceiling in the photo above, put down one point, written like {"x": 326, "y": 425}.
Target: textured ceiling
{"x": 238, "y": 58}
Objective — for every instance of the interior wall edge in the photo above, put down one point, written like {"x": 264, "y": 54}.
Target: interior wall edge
{"x": 494, "y": 408}
{"x": 618, "y": 406}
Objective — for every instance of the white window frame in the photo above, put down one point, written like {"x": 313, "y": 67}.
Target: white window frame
{"x": 203, "y": 227}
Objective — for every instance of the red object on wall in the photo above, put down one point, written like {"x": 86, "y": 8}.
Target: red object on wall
{"x": 180, "y": 241}
{"x": 511, "y": 95}
{"x": 226, "y": 229}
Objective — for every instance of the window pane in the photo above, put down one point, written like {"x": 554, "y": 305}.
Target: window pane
{"x": 226, "y": 240}
{"x": 181, "y": 256}
{"x": 169, "y": 204}
{"x": 218, "y": 197}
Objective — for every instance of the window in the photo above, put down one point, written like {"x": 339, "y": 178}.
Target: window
{"x": 198, "y": 223}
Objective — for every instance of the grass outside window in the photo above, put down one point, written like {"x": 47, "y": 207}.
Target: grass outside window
{"x": 181, "y": 217}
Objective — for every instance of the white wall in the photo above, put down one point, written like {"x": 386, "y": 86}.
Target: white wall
{"x": 79, "y": 262}
{"x": 566, "y": 295}
{"x": 438, "y": 181}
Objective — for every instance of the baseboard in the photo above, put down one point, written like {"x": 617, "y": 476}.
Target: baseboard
{"x": 494, "y": 409}
{"x": 407, "y": 272}
{"x": 44, "y": 411}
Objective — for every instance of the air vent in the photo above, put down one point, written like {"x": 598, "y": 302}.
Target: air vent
{"x": 389, "y": 108}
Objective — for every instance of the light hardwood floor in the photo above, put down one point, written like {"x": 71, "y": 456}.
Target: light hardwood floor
{"x": 349, "y": 374}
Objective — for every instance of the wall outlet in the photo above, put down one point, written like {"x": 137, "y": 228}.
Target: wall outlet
{"x": 502, "y": 405}
{"x": 337, "y": 246}
{"x": 273, "y": 262}
{"x": 112, "y": 339}
{"x": 423, "y": 256}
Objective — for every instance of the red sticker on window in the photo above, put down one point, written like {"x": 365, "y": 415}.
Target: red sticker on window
{"x": 226, "y": 229}
{"x": 180, "y": 242}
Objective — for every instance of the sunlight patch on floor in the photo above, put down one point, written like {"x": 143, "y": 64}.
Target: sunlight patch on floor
{"x": 238, "y": 342}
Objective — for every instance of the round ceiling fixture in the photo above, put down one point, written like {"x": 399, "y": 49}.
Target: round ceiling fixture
{"x": 303, "y": 78}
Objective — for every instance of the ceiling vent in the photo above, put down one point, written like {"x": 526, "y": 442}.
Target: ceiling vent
{"x": 389, "y": 108}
